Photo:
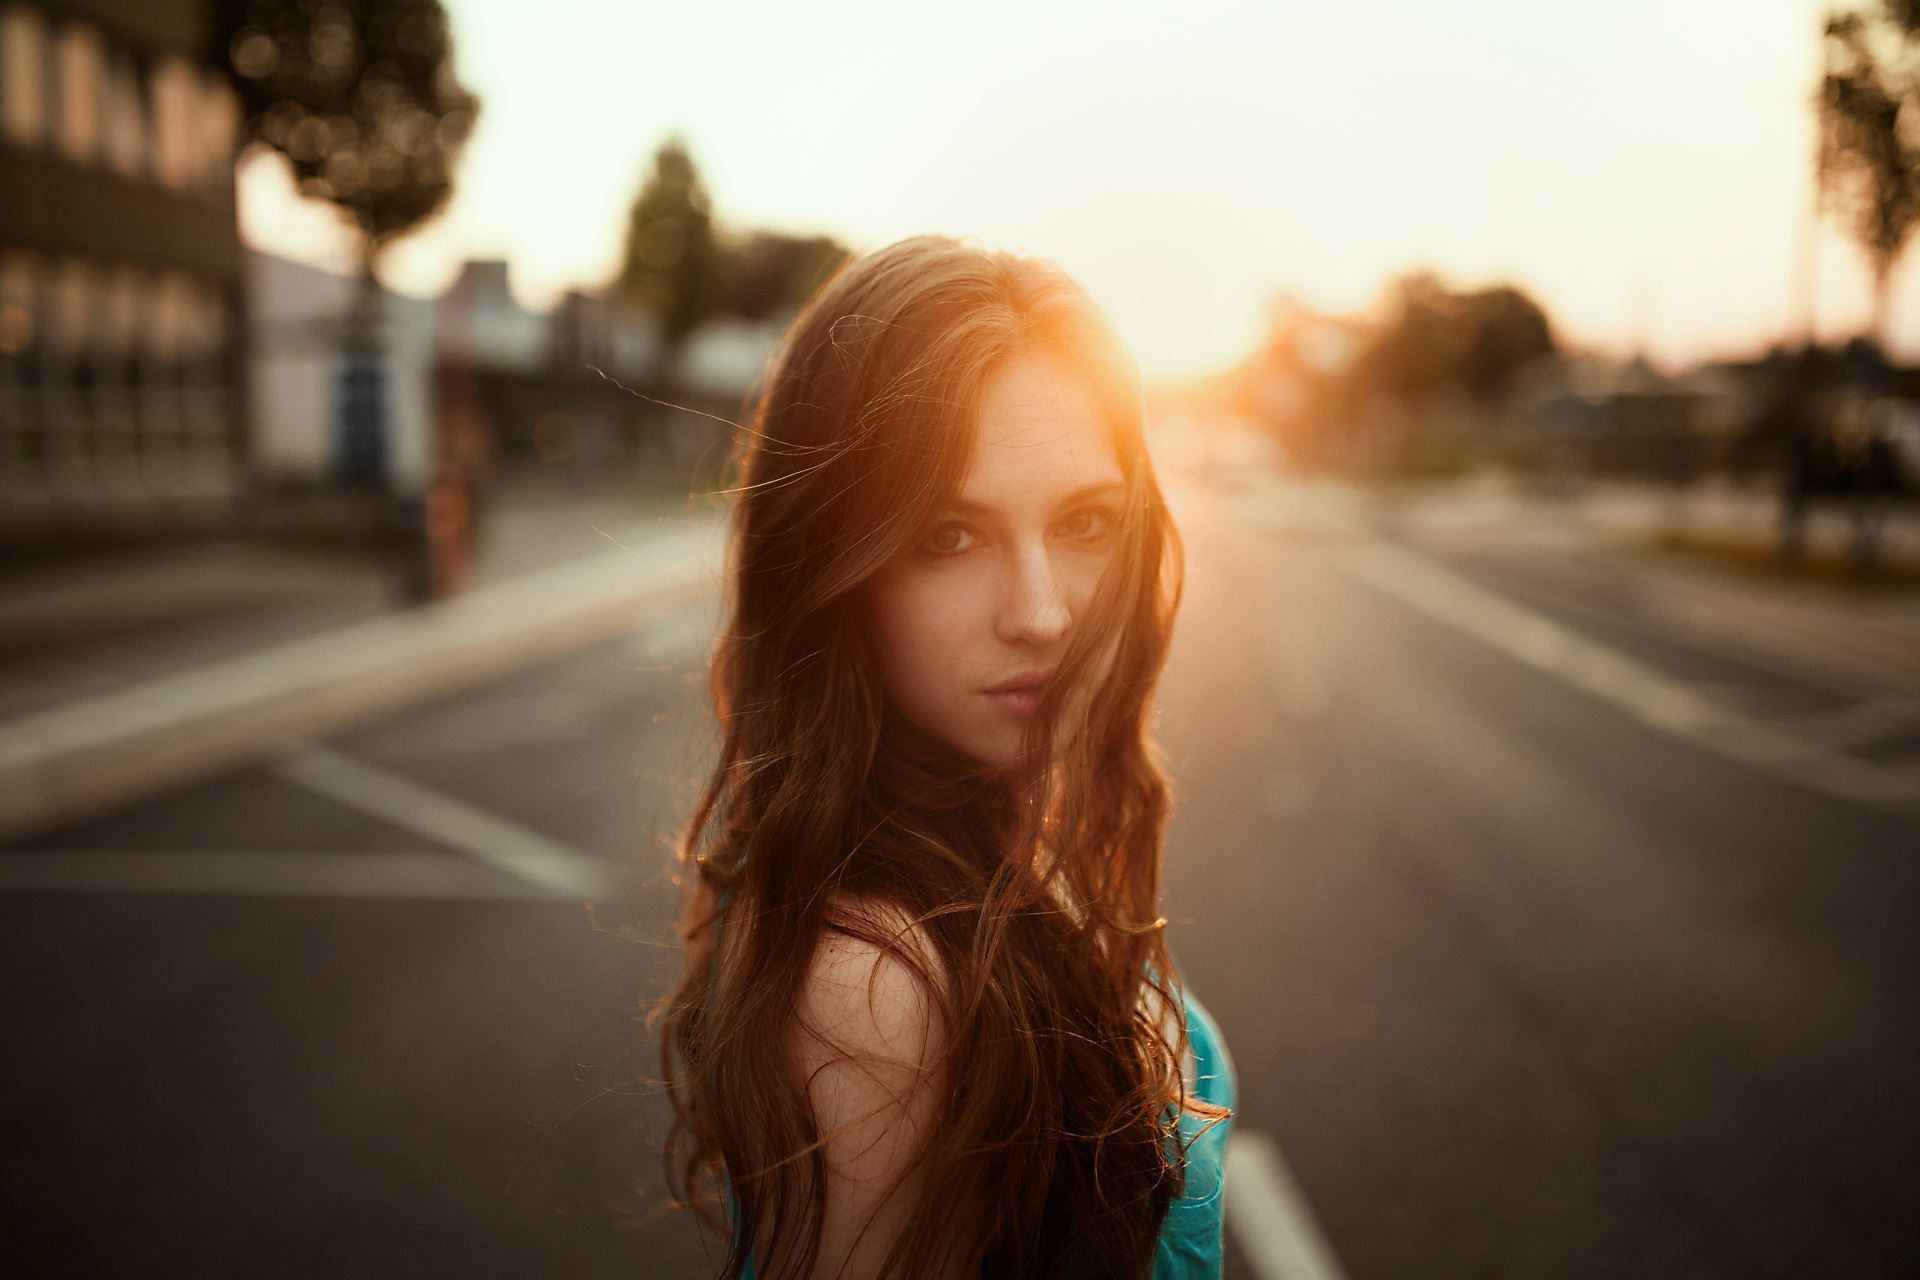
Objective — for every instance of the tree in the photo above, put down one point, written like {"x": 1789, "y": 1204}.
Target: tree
{"x": 1505, "y": 331}
{"x": 770, "y": 271}
{"x": 1869, "y": 156}
{"x": 1437, "y": 340}
{"x": 670, "y": 264}
{"x": 361, "y": 98}
{"x": 1415, "y": 354}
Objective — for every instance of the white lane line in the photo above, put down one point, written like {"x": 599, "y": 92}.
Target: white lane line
{"x": 443, "y": 876}
{"x": 1269, "y": 1217}
{"x": 1644, "y": 693}
{"x": 505, "y": 846}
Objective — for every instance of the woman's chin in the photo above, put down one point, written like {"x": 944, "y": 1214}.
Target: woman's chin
{"x": 995, "y": 750}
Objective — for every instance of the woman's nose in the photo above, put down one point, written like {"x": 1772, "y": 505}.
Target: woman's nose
{"x": 1035, "y": 608}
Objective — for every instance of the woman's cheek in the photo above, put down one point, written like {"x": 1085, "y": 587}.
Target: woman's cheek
{"x": 901, "y": 615}
{"x": 952, "y": 603}
{"x": 1086, "y": 583}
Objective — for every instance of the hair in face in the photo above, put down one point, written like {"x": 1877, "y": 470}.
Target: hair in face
{"x": 1036, "y": 883}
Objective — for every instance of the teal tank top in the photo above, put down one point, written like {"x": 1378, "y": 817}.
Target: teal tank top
{"x": 1192, "y": 1239}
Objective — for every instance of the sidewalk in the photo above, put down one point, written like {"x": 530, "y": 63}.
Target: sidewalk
{"x": 122, "y": 676}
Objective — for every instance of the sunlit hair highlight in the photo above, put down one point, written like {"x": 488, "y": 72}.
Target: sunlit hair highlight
{"x": 1023, "y": 896}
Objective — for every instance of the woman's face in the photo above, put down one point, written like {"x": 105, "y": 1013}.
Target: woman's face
{"x": 992, "y": 591}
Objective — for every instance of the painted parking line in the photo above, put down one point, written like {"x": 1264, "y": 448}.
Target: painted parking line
{"x": 517, "y": 851}
{"x": 489, "y": 858}
{"x": 264, "y": 873}
{"x": 1268, "y": 1216}
{"x": 1650, "y": 697}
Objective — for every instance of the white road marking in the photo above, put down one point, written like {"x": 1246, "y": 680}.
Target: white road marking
{"x": 1268, "y": 1216}
{"x": 1644, "y": 693}
{"x": 505, "y": 846}
{"x": 444, "y": 876}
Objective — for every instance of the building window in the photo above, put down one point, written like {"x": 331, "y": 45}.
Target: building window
{"x": 68, "y": 374}
{"x": 22, "y": 420}
{"x": 219, "y": 134}
{"x": 204, "y": 395}
{"x": 115, "y": 453}
{"x": 176, "y": 100}
{"x": 80, "y": 91}
{"x": 126, "y": 118}
{"x": 19, "y": 323}
{"x": 23, "y": 76}
{"x": 72, "y": 329}
{"x": 166, "y": 318}
{"x": 120, "y": 318}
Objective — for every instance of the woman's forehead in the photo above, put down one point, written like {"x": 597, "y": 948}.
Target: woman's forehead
{"x": 1042, "y": 435}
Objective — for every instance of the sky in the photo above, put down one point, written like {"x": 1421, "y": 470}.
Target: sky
{"x": 1640, "y": 167}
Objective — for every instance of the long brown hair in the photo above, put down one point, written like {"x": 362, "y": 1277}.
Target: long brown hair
{"x": 1036, "y": 884}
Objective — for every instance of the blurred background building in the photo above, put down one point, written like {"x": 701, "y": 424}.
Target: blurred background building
{"x": 158, "y": 380}
{"x": 122, "y": 280}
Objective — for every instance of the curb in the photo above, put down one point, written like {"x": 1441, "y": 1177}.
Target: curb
{"x": 69, "y": 761}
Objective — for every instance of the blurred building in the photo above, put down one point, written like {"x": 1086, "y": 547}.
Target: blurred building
{"x": 727, "y": 355}
{"x": 154, "y": 373}
{"x": 1614, "y": 416}
{"x": 121, "y": 272}
{"x": 562, "y": 386}
{"x": 300, "y": 382}
{"x": 472, "y": 376}
{"x": 486, "y": 325}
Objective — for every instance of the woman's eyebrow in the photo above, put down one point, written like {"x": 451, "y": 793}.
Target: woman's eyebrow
{"x": 969, "y": 507}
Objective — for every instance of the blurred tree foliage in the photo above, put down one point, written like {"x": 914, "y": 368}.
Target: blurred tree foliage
{"x": 1435, "y": 340}
{"x": 1430, "y": 371}
{"x": 766, "y": 273}
{"x": 1869, "y": 156}
{"x": 670, "y": 268}
{"x": 362, "y": 99}
{"x": 679, "y": 267}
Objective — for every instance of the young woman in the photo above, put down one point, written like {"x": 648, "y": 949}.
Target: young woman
{"x": 928, "y": 1025}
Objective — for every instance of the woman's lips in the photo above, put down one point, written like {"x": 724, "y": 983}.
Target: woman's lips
{"x": 1017, "y": 702}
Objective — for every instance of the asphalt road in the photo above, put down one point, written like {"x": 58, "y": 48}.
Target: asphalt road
{"x": 1521, "y": 980}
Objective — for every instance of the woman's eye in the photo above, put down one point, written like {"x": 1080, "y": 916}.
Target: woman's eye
{"x": 1089, "y": 524}
{"x": 947, "y": 540}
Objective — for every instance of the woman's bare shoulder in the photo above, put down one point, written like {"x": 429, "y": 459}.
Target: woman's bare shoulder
{"x": 870, "y": 1046}
{"x": 870, "y": 984}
